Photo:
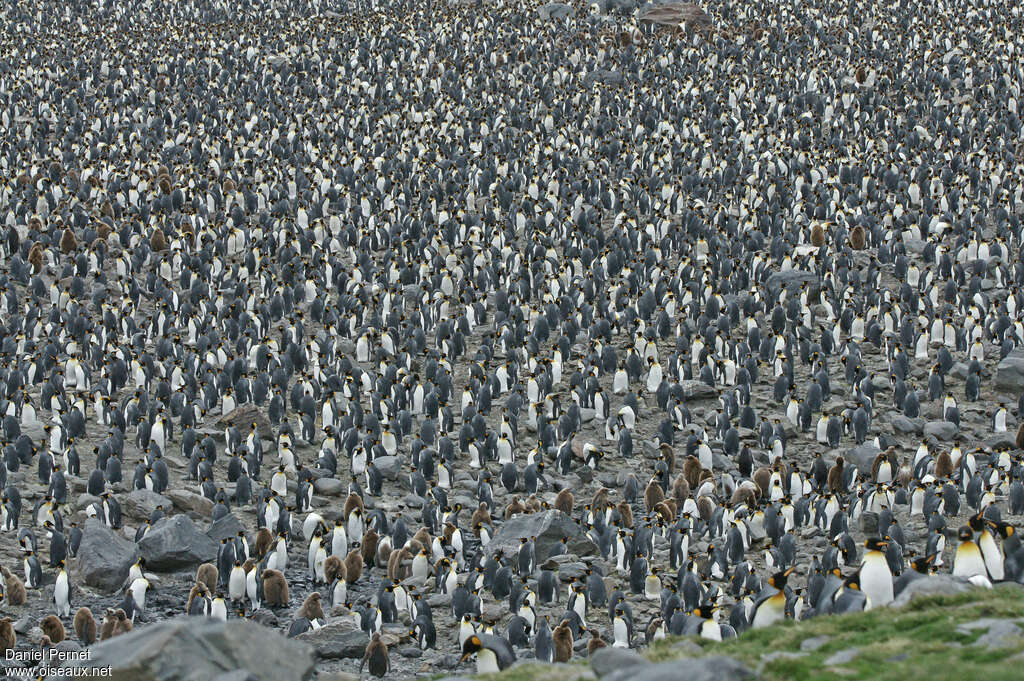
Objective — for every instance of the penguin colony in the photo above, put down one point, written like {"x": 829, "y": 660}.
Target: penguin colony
{"x": 730, "y": 300}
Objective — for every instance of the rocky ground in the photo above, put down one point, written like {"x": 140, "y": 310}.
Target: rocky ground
{"x": 177, "y": 545}
{"x": 340, "y": 645}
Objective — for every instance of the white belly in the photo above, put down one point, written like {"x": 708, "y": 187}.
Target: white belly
{"x": 876, "y": 583}
{"x": 486, "y": 662}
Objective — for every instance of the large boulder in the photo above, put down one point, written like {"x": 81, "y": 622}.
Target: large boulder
{"x": 906, "y": 425}
{"x": 862, "y": 456}
{"x": 175, "y": 543}
{"x": 329, "y": 487}
{"x": 548, "y": 527}
{"x": 185, "y": 500}
{"x": 555, "y": 10}
{"x": 141, "y": 503}
{"x": 104, "y": 557}
{"x": 1010, "y": 373}
{"x": 790, "y": 279}
{"x": 197, "y": 649}
{"x": 697, "y": 390}
{"x": 620, "y": 6}
{"x": 336, "y": 641}
{"x": 607, "y": 661}
{"x": 941, "y": 430}
{"x": 717, "y": 668}
{"x": 615, "y": 78}
{"x": 244, "y": 416}
{"x": 389, "y": 466}
{"x": 930, "y": 586}
{"x": 226, "y": 527}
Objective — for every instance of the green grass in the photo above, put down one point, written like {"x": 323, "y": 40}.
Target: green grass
{"x": 915, "y": 642}
{"x": 919, "y": 641}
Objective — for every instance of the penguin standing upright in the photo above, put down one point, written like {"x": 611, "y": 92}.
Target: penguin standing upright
{"x": 62, "y": 592}
{"x": 770, "y": 606}
{"x": 622, "y": 628}
{"x": 968, "y": 561}
{"x": 85, "y": 626}
{"x": 33, "y": 571}
{"x": 991, "y": 551}
{"x": 544, "y": 647}
{"x": 562, "y": 641}
{"x": 376, "y": 657}
{"x": 875, "y": 575}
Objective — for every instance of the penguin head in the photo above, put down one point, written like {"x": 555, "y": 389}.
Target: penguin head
{"x": 778, "y": 580}
{"x": 470, "y": 647}
{"x": 875, "y": 544}
{"x": 1005, "y": 530}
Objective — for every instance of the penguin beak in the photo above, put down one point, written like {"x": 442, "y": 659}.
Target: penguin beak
{"x": 465, "y": 657}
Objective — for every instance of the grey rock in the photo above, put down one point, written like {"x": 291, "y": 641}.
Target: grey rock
{"x": 192, "y": 649}
{"x": 24, "y": 624}
{"x": 999, "y": 633}
{"x": 842, "y": 656}
{"x": 609, "y": 660}
{"x": 621, "y": 6}
{"x": 862, "y": 456}
{"x": 959, "y": 370}
{"x": 176, "y": 542}
{"x": 904, "y": 424}
{"x": 549, "y": 527}
{"x": 226, "y": 527}
{"x": 104, "y": 557}
{"x": 555, "y": 10}
{"x": 934, "y": 584}
{"x": 941, "y": 430}
{"x": 141, "y": 503}
{"x": 329, "y": 487}
{"x": 439, "y": 600}
{"x": 869, "y": 523}
{"x": 570, "y": 571}
{"x": 781, "y": 655}
{"x": 1008, "y": 439}
{"x": 809, "y": 645}
{"x": 244, "y": 416}
{"x": 389, "y": 466}
{"x": 236, "y": 675}
{"x": 1010, "y": 372}
{"x": 616, "y": 78}
{"x": 190, "y": 501}
{"x": 791, "y": 279}
{"x": 697, "y": 390}
{"x": 717, "y": 668}
{"x": 337, "y": 641}
{"x": 85, "y": 501}
{"x": 69, "y": 645}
